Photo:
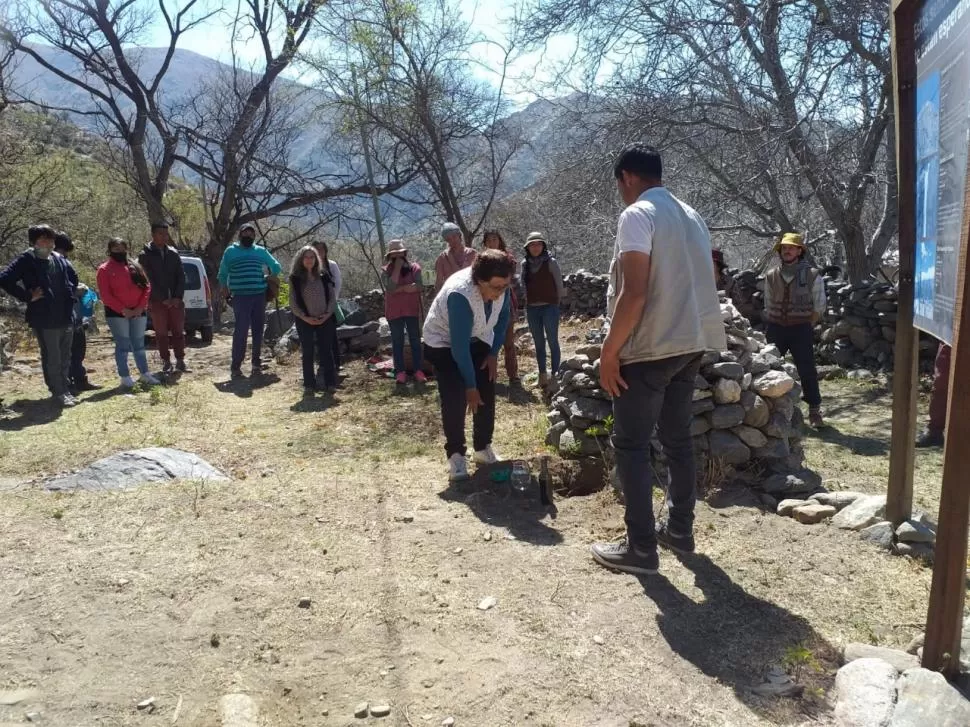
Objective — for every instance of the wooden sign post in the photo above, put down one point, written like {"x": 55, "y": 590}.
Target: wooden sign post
{"x": 932, "y": 77}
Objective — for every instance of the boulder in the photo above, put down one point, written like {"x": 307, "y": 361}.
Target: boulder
{"x": 727, "y": 391}
{"x": 554, "y": 435}
{"x": 862, "y": 513}
{"x": 777, "y": 426}
{"x": 588, "y": 411}
{"x": 758, "y": 414}
{"x": 345, "y": 332}
{"x": 137, "y": 467}
{"x": 838, "y": 500}
{"x": 573, "y": 443}
{"x": 727, "y": 370}
{"x": 865, "y": 693}
{"x": 813, "y": 513}
{"x": 924, "y": 698}
{"x": 881, "y": 534}
{"x": 699, "y": 425}
{"x": 900, "y": 660}
{"x": 913, "y": 531}
{"x": 750, "y": 436}
{"x": 785, "y": 507}
{"x": 726, "y": 447}
{"x": 702, "y": 406}
{"x": 776, "y": 448}
{"x": 726, "y": 416}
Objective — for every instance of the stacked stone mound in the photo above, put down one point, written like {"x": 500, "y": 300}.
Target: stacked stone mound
{"x": 745, "y": 404}
{"x": 584, "y": 294}
{"x": 365, "y": 339}
{"x": 371, "y": 303}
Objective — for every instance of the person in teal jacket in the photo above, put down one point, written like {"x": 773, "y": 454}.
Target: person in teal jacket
{"x": 243, "y": 273}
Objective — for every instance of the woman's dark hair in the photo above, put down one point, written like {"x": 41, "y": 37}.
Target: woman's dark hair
{"x": 62, "y": 242}
{"x": 136, "y": 271}
{"x": 501, "y": 240}
{"x": 299, "y": 275}
{"x": 527, "y": 267}
{"x": 641, "y": 160}
{"x": 325, "y": 257}
{"x": 491, "y": 264}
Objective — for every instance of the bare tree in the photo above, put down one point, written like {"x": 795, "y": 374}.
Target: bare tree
{"x": 781, "y": 108}
{"x": 101, "y": 40}
{"x": 419, "y": 94}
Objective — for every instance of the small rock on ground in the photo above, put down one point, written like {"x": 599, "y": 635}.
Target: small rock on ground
{"x": 486, "y": 603}
{"x": 811, "y": 514}
{"x": 862, "y": 513}
{"x": 361, "y": 710}
{"x": 881, "y": 534}
{"x": 914, "y": 532}
{"x": 380, "y": 710}
{"x": 304, "y": 603}
{"x": 448, "y": 722}
{"x": 865, "y": 693}
{"x": 839, "y": 500}
{"x": 238, "y": 710}
{"x": 785, "y": 507}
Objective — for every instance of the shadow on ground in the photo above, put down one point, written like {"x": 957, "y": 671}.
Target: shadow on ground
{"x": 866, "y": 446}
{"x": 25, "y": 413}
{"x": 733, "y": 636}
{"x": 244, "y": 386}
{"x": 497, "y": 505}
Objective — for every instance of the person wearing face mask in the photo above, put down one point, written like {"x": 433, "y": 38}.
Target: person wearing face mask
{"x": 243, "y": 273}
{"x": 463, "y": 333}
{"x": 794, "y": 302}
{"x": 47, "y": 284}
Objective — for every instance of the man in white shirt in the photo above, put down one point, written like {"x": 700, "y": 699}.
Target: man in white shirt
{"x": 664, "y": 313}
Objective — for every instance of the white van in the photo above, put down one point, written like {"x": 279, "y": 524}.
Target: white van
{"x": 197, "y": 298}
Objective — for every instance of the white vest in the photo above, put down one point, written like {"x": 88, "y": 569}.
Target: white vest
{"x": 437, "y": 333}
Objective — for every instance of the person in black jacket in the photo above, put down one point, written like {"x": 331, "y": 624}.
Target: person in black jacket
{"x": 47, "y": 283}
{"x": 64, "y": 246}
{"x": 163, "y": 266}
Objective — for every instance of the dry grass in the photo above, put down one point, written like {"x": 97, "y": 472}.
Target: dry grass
{"x": 110, "y": 598}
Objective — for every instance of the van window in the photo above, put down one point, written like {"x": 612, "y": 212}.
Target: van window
{"x": 193, "y": 281}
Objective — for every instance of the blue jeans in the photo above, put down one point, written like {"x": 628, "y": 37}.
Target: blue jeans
{"x": 398, "y": 326}
{"x": 129, "y": 336}
{"x": 658, "y": 395}
{"x": 544, "y": 326}
{"x": 250, "y": 313}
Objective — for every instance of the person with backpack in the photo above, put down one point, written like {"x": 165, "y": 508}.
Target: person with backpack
{"x": 313, "y": 300}
{"x": 125, "y": 290}
{"x": 83, "y": 312}
{"x": 163, "y": 266}
{"x": 47, "y": 283}
{"x": 402, "y": 308}
{"x": 242, "y": 272}
{"x": 492, "y": 240}
{"x": 542, "y": 280}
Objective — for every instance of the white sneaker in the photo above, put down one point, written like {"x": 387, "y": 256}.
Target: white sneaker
{"x": 486, "y": 456}
{"x": 66, "y": 400}
{"x": 127, "y": 382}
{"x": 457, "y": 468}
{"x": 149, "y": 380}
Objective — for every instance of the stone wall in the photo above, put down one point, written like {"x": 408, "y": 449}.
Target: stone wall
{"x": 584, "y": 294}
{"x": 745, "y": 405}
{"x": 371, "y": 303}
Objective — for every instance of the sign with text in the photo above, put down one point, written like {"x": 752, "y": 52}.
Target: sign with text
{"x": 942, "y": 35}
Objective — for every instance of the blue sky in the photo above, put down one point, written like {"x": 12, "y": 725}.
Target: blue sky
{"x": 487, "y": 17}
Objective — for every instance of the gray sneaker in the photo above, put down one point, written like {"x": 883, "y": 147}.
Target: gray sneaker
{"x": 622, "y": 557}
{"x": 670, "y": 538}
{"x": 66, "y": 400}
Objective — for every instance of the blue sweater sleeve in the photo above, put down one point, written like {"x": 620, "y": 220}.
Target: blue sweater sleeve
{"x": 501, "y": 325}
{"x": 460, "y": 322}
{"x": 272, "y": 263}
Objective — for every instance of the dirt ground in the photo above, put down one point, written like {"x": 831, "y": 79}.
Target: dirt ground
{"x": 189, "y": 591}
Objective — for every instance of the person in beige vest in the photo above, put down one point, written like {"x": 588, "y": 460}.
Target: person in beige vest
{"x": 663, "y": 314}
{"x": 794, "y": 302}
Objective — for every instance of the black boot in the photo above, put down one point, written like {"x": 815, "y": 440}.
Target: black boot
{"x": 930, "y": 438}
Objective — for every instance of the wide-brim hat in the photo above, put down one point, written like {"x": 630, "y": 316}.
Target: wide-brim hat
{"x": 790, "y": 238}
{"x": 534, "y": 237}
{"x": 394, "y": 247}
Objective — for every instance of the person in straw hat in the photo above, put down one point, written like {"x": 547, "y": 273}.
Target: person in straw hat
{"x": 794, "y": 303}
{"x": 542, "y": 281}
{"x": 402, "y": 308}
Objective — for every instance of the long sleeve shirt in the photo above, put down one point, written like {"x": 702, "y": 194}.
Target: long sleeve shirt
{"x": 338, "y": 280}
{"x": 460, "y": 322}
{"x": 118, "y": 290}
{"x": 242, "y": 269}
{"x": 448, "y": 264}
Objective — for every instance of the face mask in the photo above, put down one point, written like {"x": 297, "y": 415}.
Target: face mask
{"x": 121, "y": 257}
{"x": 247, "y": 241}
{"x": 42, "y": 252}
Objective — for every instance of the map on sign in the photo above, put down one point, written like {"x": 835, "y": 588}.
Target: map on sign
{"x": 942, "y": 137}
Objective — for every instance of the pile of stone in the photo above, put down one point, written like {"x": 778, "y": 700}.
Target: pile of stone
{"x": 371, "y": 303}
{"x": 745, "y": 406}
{"x": 584, "y": 294}
{"x": 865, "y": 514}
{"x": 358, "y": 340}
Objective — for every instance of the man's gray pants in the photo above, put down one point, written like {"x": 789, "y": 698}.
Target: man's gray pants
{"x": 55, "y": 355}
{"x": 659, "y": 396}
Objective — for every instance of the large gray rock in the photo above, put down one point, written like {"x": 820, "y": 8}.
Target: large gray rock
{"x": 782, "y": 484}
{"x": 573, "y": 443}
{"x": 900, "y": 660}
{"x": 346, "y": 332}
{"x": 727, "y": 370}
{"x": 862, "y": 513}
{"x": 838, "y": 500}
{"x": 785, "y": 507}
{"x": 812, "y": 513}
{"x": 881, "y": 534}
{"x": 773, "y": 384}
{"x": 728, "y": 448}
{"x": 783, "y": 405}
{"x": 137, "y": 467}
{"x": 913, "y": 531}
{"x": 727, "y": 416}
{"x": 758, "y": 413}
{"x": 750, "y": 436}
{"x": 704, "y": 405}
{"x": 588, "y": 411}
{"x": 555, "y": 433}
{"x": 777, "y": 426}
{"x": 699, "y": 425}
{"x": 777, "y": 448}
{"x": 865, "y": 693}
{"x": 925, "y": 698}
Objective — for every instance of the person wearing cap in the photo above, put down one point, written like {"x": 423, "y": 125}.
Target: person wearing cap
{"x": 663, "y": 313}
{"x": 47, "y": 284}
{"x": 542, "y": 281}
{"x": 163, "y": 266}
{"x": 463, "y": 333}
{"x": 402, "y": 308}
{"x": 242, "y": 273}
{"x": 456, "y": 257}
{"x": 78, "y": 377}
{"x": 794, "y": 303}
{"x": 492, "y": 240}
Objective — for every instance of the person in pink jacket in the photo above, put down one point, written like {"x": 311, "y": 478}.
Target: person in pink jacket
{"x": 124, "y": 290}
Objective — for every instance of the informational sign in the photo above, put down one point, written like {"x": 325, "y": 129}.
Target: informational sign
{"x": 942, "y": 137}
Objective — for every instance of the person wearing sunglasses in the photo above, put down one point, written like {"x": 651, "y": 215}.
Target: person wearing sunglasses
{"x": 463, "y": 333}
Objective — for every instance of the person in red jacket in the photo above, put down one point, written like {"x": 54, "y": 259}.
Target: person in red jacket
{"x": 124, "y": 290}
